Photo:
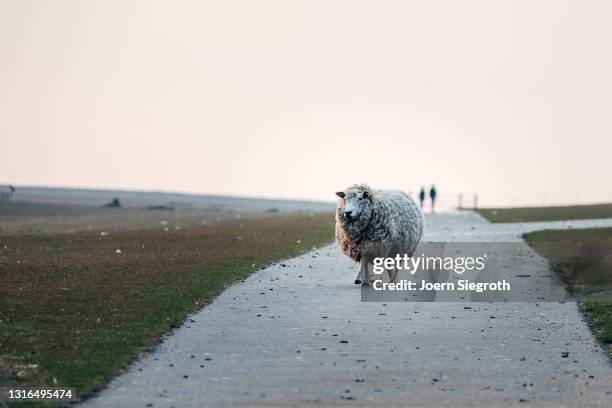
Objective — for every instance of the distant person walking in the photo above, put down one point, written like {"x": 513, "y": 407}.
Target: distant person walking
{"x": 432, "y": 195}
{"x": 422, "y": 196}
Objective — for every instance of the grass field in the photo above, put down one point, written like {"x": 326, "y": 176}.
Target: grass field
{"x": 583, "y": 259}
{"x": 76, "y": 308}
{"x": 528, "y": 214}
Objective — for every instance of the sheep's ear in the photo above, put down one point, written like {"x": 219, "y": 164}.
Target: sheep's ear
{"x": 340, "y": 194}
{"x": 366, "y": 194}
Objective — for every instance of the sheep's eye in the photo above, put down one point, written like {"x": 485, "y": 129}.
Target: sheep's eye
{"x": 360, "y": 198}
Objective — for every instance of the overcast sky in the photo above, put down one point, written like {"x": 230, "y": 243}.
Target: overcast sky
{"x": 509, "y": 99}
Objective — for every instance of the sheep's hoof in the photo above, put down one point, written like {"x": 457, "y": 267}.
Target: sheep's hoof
{"x": 357, "y": 281}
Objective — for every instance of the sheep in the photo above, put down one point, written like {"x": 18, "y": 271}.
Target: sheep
{"x": 376, "y": 223}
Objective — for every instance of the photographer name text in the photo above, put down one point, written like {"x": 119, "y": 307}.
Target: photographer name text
{"x": 461, "y": 285}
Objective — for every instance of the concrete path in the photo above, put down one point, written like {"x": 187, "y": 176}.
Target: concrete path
{"x": 296, "y": 334}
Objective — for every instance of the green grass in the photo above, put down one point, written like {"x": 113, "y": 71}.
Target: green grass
{"x": 75, "y": 312}
{"x": 600, "y": 316}
{"x": 529, "y": 214}
{"x": 583, "y": 259}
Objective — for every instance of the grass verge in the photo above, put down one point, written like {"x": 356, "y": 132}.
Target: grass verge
{"x": 583, "y": 259}
{"x": 529, "y": 214}
{"x": 76, "y": 308}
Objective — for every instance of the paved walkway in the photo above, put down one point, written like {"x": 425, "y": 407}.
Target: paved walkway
{"x": 298, "y": 335}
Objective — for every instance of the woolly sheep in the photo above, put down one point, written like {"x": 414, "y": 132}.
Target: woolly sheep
{"x": 376, "y": 223}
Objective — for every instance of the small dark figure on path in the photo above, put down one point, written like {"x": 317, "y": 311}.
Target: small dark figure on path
{"x": 432, "y": 195}
{"x": 422, "y": 196}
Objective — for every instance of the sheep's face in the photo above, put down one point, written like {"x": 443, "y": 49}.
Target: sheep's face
{"x": 353, "y": 204}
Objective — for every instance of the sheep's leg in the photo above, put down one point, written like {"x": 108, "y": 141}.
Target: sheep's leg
{"x": 393, "y": 274}
{"x": 363, "y": 271}
{"x": 358, "y": 277}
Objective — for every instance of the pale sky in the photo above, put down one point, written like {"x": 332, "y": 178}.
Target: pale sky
{"x": 297, "y": 99}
